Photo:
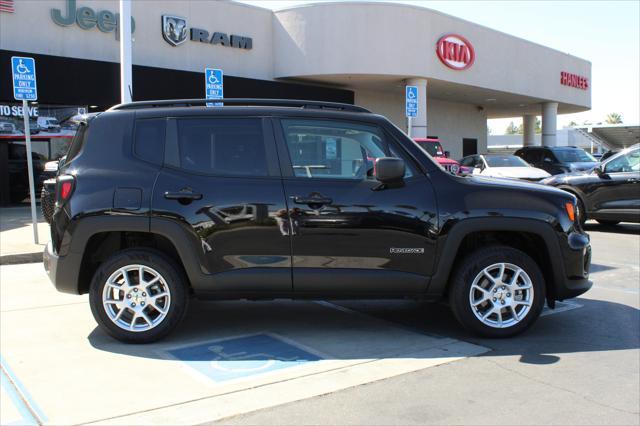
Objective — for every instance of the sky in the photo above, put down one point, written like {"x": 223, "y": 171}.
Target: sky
{"x": 607, "y": 33}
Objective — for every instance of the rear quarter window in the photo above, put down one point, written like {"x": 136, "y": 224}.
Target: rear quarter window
{"x": 149, "y": 140}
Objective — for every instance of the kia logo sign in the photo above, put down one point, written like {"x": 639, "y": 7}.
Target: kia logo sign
{"x": 455, "y": 52}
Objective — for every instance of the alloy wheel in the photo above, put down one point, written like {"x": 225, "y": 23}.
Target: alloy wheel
{"x": 501, "y": 295}
{"x": 136, "y": 298}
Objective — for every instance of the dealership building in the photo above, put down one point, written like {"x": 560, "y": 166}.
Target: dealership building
{"x": 355, "y": 52}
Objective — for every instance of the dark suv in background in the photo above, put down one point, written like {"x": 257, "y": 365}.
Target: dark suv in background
{"x": 557, "y": 159}
{"x": 264, "y": 199}
{"x": 610, "y": 193}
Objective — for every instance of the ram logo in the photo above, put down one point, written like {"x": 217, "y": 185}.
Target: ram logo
{"x": 174, "y": 29}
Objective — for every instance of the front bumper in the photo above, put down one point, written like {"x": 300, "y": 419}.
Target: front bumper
{"x": 63, "y": 271}
{"x": 576, "y": 253}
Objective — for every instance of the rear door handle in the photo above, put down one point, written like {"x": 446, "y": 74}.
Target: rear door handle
{"x": 182, "y": 195}
{"x": 312, "y": 200}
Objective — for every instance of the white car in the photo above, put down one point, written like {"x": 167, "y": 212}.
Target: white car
{"x": 502, "y": 166}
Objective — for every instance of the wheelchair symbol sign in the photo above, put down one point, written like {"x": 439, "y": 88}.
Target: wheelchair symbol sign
{"x": 242, "y": 357}
{"x": 23, "y": 71}
{"x": 214, "y": 85}
{"x": 411, "y": 98}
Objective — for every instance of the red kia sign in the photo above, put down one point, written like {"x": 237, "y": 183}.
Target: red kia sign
{"x": 455, "y": 52}
{"x": 574, "y": 80}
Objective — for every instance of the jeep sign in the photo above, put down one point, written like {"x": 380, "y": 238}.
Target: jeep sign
{"x": 455, "y": 52}
{"x": 87, "y": 18}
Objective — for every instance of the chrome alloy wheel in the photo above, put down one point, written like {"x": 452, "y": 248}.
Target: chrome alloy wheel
{"x": 501, "y": 295}
{"x": 136, "y": 298}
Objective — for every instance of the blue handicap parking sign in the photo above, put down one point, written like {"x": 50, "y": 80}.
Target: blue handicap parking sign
{"x": 241, "y": 357}
{"x": 23, "y": 71}
{"x": 411, "y": 98}
{"x": 214, "y": 85}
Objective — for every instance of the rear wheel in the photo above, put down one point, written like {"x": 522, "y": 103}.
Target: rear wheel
{"x": 138, "y": 296}
{"x": 497, "y": 291}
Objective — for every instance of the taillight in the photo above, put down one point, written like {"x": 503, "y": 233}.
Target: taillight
{"x": 66, "y": 185}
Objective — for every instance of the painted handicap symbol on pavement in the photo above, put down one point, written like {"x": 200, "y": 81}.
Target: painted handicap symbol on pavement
{"x": 242, "y": 357}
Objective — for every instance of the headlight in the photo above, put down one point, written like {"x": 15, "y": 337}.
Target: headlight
{"x": 455, "y": 168}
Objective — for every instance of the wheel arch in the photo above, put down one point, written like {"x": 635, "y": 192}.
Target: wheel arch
{"x": 96, "y": 238}
{"x": 520, "y": 233}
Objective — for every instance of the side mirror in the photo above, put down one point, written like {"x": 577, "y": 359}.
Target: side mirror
{"x": 601, "y": 173}
{"x": 447, "y": 154}
{"x": 389, "y": 170}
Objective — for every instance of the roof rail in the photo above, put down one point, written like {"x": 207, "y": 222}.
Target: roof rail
{"x": 241, "y": 102}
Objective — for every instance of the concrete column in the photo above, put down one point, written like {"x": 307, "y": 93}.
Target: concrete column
{"x": 528, "y": 130}
{"x": 419, "y": 123}
{"x": 549, "y": 123}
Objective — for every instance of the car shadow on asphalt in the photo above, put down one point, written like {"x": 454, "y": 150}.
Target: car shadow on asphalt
{"x": 593, "y": 326}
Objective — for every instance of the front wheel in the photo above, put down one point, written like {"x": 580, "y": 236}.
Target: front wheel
{"x": 497, "y": 291}
{"x": 138, "y": 295}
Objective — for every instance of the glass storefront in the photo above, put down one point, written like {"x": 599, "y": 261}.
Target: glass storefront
{"x": 52, "y": 129}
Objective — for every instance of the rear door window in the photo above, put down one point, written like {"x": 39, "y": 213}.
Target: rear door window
{"x": 217, "y": 146}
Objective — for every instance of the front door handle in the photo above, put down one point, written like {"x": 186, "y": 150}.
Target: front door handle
{"x": 312, "y": 200}
{"x": 182, "y": 195}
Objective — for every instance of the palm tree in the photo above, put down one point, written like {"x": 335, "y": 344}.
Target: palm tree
{"x": 512, "y": 129}
{"x": 614, "y": 118}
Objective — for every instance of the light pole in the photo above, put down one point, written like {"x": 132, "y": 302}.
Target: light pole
{"x": 126, "y": 83}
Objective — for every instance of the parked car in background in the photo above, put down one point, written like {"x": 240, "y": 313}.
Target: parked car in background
{"x": 557, "y": 159}
{"x": 607, "y": 154}
{"x": 49, "y": 124}
{"x": 502, "y": 166}
{"x": 610, "y": 193}
{"x": 434, "y": 148}
{"x": 7, "y": 127}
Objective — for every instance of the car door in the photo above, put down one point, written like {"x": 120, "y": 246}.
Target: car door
{"x": 350, "y": 235}
{"x": 617, "y": 193}
{"x": 221, "y": 180}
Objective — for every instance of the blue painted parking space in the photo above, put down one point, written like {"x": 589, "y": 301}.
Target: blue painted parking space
{"x": 241, "y": 357}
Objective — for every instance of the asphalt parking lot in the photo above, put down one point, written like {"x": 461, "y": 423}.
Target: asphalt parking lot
{"x": 382, "y": 362}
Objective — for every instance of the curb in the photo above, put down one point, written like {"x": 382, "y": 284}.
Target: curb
{"x": 16, "y": 259}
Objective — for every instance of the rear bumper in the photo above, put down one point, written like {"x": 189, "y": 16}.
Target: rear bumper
{"x": 63, "y": 271}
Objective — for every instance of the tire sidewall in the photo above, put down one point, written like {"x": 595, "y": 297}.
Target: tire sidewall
{"x": 466, "y": 272}
{"x": 166, "y": 268}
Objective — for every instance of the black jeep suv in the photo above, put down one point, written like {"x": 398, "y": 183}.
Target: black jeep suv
{"x": 264, "y": 199}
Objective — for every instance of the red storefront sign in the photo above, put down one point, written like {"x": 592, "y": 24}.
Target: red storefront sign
{"x": 455, "y": 52}
{"x": 574, "y": 80}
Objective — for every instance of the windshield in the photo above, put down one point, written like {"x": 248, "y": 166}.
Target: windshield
{"x": 575, "y": 155}
{"x": 505, "y": 161}
{"x": 433, "y": 148}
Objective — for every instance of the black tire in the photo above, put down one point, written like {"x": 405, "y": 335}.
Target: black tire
{"x": 608, "y": 222}
{"x": 47, "y": 204}
{"x": 473, "y": 264}
{"x": 172, "y": 275}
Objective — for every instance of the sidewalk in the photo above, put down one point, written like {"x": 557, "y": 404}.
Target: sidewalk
{"x": 16, "y": 236}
